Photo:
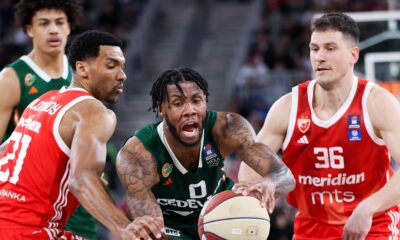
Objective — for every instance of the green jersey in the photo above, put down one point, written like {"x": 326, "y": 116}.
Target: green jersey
{"x": 33, "y": 83}
{"x": 180, "y": 193}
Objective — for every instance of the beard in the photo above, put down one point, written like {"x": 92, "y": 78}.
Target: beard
{"x": 175, "y": 135}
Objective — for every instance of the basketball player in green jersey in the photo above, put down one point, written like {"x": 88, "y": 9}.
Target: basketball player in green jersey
{"x": 172, "y": 167}
{"x": 48, "y": 23}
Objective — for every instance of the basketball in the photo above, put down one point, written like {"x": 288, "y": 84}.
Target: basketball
{"x": 229, "y": 215}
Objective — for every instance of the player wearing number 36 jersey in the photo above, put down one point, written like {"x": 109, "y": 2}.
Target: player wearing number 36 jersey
{"x": 336, "y": 133}
{"x": 35, "y": 202}
{"x": 330, "y": 187}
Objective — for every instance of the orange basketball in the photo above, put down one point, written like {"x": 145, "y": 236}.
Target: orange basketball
{"x": 229, "y": 215}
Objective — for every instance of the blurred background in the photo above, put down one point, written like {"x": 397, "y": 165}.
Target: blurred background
{"x": 251, "y": 52}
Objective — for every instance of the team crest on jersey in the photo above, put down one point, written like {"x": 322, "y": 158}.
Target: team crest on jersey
{"x": 166, "y": 169}
{"x": 303, "y": 123}
{"x": 29, "y": 79}
{"x": 210, "y": 155}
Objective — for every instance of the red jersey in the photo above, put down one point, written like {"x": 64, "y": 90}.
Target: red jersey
{"x": 34, "y": 167}
{"x": 336, "y": 162}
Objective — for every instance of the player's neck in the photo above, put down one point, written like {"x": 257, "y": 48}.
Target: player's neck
{"x": 188, "y": 156}
{"x": 328, "y": 100}
{"x": 53, "y": 65}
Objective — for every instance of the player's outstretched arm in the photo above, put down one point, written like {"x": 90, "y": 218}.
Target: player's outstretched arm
{"x": 9, "y": 97}
{"x": 91, "y": 131}
{"x": 137, "y": 170}
{"x": 235, "y": 135}
{"x": 384, "y": 112}
{"x": 271, "y": 134}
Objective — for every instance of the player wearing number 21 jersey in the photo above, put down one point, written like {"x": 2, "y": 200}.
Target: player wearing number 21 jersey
{"x": 34, "y": 203}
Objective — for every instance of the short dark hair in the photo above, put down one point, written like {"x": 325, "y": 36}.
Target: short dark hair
{"x": 337, "y": 21}
{"x": 175, "y": 76}
{"x": 26, "y": 9}
{"x": 87, "y": 44}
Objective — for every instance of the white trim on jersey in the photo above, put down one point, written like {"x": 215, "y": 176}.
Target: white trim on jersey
{"x": 51, "y": 232}
{"x": 327, "y": 123}
{"x": 62, "y": 198}
{"x": 367, "y": 119}
{"x": 177, "y": 163}
{"x": 395, "y": 217}
{"x": 292, "y": 118}
{"x": 61, "y": 144}
{"x": 41, "y": 73}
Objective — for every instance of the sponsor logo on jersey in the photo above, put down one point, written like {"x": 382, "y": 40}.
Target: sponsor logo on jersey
{"x": 30, "y": 123}
{"x": 172, "y": 232}
{"x": 29, "y": 79}
{"x": 33, "y": 90}
{"x": 354, "y": 134}
{"x": 210, "y": 155}
{"x": 167, "y": 169}
{"x": 303, "y": 140}
{"x": 167, "y": 182}
{"x": 327, "y": 196}
{"x": 353, "y": 121}
{"x": 12, "y": 195}
{"x": 303, "y": 123}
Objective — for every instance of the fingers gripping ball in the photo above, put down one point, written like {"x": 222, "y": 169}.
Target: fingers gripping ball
{"x": 232, "y": 216}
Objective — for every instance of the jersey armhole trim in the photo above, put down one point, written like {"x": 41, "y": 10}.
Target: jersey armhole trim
{"x": 292, "y": 118}
{"x": 367, "y": 120}
{"x": 61, "y": 144}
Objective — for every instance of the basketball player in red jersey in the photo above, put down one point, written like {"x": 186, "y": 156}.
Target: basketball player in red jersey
{"x": 336, "y": 133}
{"x": 56, "y": 155}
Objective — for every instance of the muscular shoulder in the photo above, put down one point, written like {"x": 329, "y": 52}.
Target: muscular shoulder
{"x": 10, "y": 87}
{"x": 383, "y": 108}
{"x": 89, "y": 119}
{"x": 279, "y": 113}
{"x": 232, "y": 131}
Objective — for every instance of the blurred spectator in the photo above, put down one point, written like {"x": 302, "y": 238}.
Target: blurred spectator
{"x": 251, "y": 79}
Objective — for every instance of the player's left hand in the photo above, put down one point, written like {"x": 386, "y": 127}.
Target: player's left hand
{"x": 263, "y": 189}
{"x": 358, "y": 224}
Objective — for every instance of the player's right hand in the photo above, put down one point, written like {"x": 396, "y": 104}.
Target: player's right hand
{"x": 145, "y": 227}
{"x": 263, "y": 189}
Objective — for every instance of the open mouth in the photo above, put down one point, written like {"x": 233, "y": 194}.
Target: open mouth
{"x": 190, "y": 130}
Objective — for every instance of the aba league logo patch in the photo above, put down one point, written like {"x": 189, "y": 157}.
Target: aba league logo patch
{"x": 303, "y": 123}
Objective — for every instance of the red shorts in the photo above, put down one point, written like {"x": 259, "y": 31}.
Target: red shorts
{"x": 385, "y": 226}
{"x": 37, "y": 234}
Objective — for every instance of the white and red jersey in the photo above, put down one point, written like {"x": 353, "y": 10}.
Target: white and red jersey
{"x": 35, "y": 168}
{"x": 336, "y": 162}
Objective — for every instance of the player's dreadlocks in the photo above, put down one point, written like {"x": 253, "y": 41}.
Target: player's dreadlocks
{"x": 174, "y": 76}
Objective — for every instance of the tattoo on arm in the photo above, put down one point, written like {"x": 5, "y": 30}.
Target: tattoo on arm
{"x": 257, "y": 155}
{"x": 138, "y": 174}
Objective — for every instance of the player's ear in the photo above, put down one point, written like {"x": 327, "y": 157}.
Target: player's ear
{"x": 81, "y": 69}
{"x": 28, "y": 30}
{"x": 160, "y": 110}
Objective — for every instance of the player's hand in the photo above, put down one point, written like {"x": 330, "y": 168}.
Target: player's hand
{"x": 358, "y": 224}
{"x": 145, "y": 227}
{"x": 263, "y": 189}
